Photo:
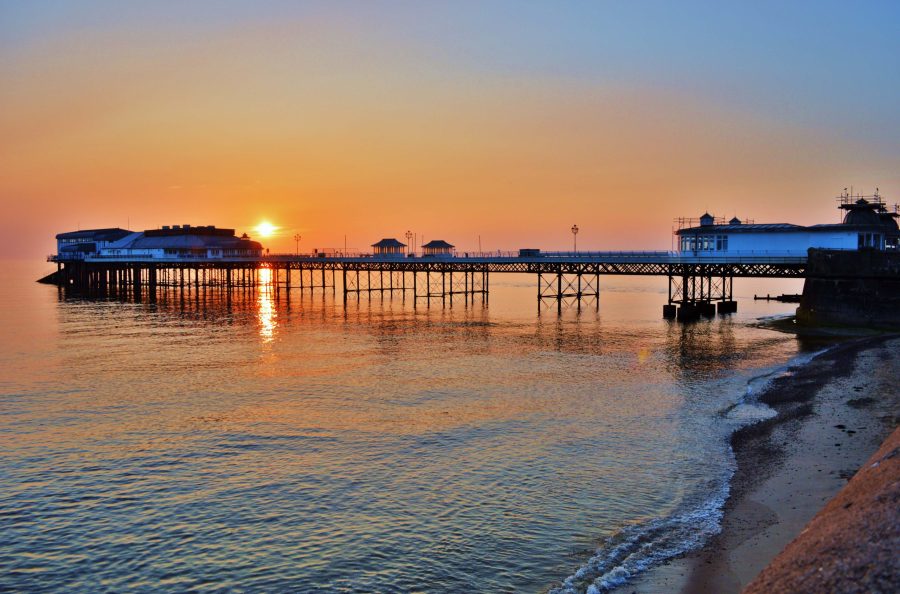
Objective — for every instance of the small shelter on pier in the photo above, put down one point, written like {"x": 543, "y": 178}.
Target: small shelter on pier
{"x": 437, "y": 247}
{"x": 389, "y": 247}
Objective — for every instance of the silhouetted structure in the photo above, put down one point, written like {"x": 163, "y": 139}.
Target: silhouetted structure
{"x": 388, "y": 247}
{"x": 700, "y": 274}
{"x": 437, "y": 247}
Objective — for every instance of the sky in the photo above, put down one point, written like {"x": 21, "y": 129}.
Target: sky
{"x": 504, "y": 121}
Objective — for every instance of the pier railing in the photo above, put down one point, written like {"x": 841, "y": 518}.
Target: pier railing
{"x": 499, "y": 256}
{"x": 493, "y": 257}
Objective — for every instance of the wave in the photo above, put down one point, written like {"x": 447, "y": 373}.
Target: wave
{"x": 638, "y": 547}
{"x": 641, "y": 546}
{"x": 749, "y": 409}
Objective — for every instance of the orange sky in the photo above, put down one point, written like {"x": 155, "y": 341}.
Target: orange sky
{"x": 327, "y": 128}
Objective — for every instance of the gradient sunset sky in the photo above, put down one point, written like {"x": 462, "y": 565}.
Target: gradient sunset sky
{"x": 509, "y": 120}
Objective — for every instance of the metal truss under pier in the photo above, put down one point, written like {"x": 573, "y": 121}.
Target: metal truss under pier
{"x": 567, "y": 288}
{"x": 699, "y": 294}
{"x": 698, "y": 285}
{"x": 427, "y": 284}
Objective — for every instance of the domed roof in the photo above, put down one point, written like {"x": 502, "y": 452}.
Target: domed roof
{"x": 863, "y": 212}
{"x": 889, "y": 220}
{"x": 862, "y": 216}
{"x": 734, "y": 221}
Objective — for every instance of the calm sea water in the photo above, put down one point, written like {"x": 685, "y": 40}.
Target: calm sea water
{"x": 274, "y": 445}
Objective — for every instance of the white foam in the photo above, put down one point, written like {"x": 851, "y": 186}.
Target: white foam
{"x": 750, "y": 412}
{"x": 639, "y": 547}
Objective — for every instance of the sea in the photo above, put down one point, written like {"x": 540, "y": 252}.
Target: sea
{"x": 291, "y": 442}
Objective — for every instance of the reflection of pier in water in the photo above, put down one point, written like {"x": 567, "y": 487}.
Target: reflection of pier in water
{"x": 697, "y": 285}
{"x": 260, "y": 304}
{"x": 688, "y": 352}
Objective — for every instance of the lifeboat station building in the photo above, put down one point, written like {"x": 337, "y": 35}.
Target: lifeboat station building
{"x": 867, "y": 224}
{"x": 174, "y": 242}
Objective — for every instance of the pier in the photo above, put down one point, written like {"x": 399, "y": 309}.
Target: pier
{"x": 700, "y": 274}
{"x": 698, "y": 285}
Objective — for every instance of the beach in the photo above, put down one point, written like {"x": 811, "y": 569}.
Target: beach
{"x": 832, "y": 415}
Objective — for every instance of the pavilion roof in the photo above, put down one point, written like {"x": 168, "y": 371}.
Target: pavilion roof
{"x": 437, "y": 243}
{"x": 389, "y": 242}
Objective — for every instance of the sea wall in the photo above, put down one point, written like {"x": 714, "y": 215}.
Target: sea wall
{"x": 851, "y": 545}
{"x": 851, "y": 288}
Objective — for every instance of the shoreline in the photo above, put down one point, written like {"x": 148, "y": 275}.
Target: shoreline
{"x": 833, "y": 412}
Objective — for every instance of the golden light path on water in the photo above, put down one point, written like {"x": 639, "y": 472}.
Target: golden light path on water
{"x": 266, "y": 314}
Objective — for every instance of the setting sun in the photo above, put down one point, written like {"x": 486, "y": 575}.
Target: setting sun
{"x": 266, "y": 229}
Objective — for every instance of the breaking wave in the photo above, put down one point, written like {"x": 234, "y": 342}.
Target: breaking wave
{"x": 641, "y": 546}
{"x": 638, "y": 547}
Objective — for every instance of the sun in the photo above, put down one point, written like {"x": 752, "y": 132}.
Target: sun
{"x": 266, "y": 229}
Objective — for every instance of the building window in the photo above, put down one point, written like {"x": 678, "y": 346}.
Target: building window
{"x": 704, "y": 243}
{"x": 869, "y": 240}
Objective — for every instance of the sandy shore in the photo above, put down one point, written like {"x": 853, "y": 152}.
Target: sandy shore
{"x": 852, "y": 545}
{"x": 833, "y": 414}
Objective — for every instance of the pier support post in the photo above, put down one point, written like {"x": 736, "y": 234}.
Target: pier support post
{"x": 151, "y": 283}
{"x": 688, "y": 312}
{"x": 727, "y": 307}
{"x": 136, "y": 280}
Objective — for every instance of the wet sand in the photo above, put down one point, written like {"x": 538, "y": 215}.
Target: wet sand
{"x": 833, "y": 414}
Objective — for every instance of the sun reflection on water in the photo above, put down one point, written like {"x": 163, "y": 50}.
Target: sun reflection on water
{"x": 266, "y": 313}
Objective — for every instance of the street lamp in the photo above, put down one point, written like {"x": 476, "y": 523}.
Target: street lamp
{"x": 575, "y": 237}
{"x": 409, "y": 235}
{"x": 297, "y": 239}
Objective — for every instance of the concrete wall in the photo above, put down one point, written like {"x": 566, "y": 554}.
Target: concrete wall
{"x": 851, "y": 288}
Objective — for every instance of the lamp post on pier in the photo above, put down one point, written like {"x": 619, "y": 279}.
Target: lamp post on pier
{"x": 409, "y": 236}
{"x": 297, "y": 239}
{"x": 575, "y": 238}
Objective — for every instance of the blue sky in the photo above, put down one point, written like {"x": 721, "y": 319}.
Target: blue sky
{"x": 704, "y": 102}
